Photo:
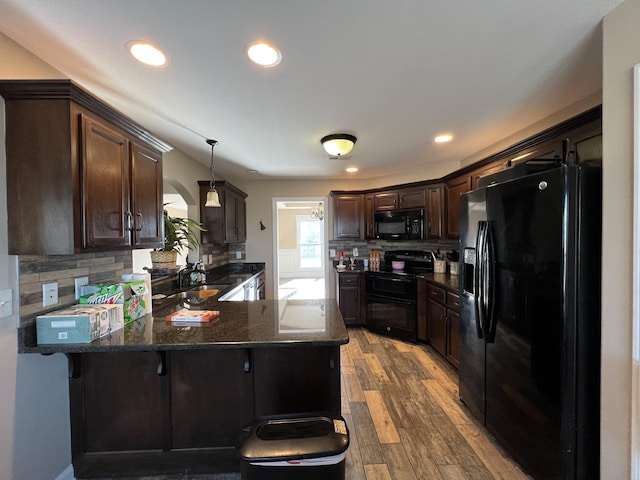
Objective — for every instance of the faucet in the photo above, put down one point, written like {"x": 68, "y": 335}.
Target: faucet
{"x": 183, "y": 277}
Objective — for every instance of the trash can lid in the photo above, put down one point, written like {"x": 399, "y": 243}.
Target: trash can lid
{"x": 289, "y": 438}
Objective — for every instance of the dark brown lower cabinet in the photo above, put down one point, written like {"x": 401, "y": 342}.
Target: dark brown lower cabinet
{"x": 296, "y": 380}
{"x": 209, "y": 397}
{"x": 437, "y": 326}
{"x": 171, "y": 412}
{"x": 348, "y": 295}
{"x": 117, "y": 416}
{"x": 443, "y": 318}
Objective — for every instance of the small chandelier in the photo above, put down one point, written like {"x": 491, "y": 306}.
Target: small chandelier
{"x": 317, "y": 212}
{"x": 212, "y": 195}
{"x": 338, "y": 144}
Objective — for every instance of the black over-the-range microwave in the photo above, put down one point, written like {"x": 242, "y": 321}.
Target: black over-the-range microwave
{"x": 399, "y": 225}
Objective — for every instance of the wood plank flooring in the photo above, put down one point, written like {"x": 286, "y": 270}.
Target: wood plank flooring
{"x": 400, "y": 401}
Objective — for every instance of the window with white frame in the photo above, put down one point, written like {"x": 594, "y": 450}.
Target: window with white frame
{"x": 309, "y": 242}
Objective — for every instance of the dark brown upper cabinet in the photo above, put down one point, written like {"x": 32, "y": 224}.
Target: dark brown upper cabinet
{"x": 412, "y": 198}
{"x": 348, "y": 217}
{"x": 81, "y": 177}
{"x": 227, "y": 223}
{"x": 146, "y": 194}
{"x": 435, "y": 210}
{"x": 385, "y": 201}
{"x": 454, "y": 188}
{"x": 368, "y": 216}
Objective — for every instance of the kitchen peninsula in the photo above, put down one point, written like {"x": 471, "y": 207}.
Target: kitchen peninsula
{"x": 159, "y": 397}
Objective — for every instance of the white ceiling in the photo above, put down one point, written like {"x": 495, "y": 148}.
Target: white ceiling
{"x": 392, "y": 72}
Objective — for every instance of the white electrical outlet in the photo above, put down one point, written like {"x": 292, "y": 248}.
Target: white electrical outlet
{"x": 49, "y": 294}
{"x": 238, "y": 255}
{"x": 332, "y": 252}
{"x": 80, "y": 282}
{"x": 6, "y": 303}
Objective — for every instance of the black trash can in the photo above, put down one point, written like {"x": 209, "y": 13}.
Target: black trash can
{"x": 297, "y": 447}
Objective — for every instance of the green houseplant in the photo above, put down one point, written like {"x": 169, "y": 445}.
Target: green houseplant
{"x": 179, "y": 233}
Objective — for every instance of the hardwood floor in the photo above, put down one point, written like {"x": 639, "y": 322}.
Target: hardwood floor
{"x": 400, "y": 401}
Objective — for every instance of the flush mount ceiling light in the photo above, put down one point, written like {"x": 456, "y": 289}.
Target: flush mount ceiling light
{"x": 212, "y": 195}
{"x": 146, "y": 53}
{"x": 351, "y": 169}
{"x": 338, "y": 144}
{"x": 444, "y": 138}
{"x": 264, "y": 54}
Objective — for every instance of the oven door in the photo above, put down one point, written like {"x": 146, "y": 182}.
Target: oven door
{"x": 391, "y": 304}
{"x": 396, "y": 318}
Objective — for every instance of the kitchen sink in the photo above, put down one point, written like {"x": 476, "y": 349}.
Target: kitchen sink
{"x": 202, "y": 291}
{"x": 217, "y": 286}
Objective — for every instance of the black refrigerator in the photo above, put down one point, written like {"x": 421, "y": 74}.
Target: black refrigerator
{"x": 530, "y": 243}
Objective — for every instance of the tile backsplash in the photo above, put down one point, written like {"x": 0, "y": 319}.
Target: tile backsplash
{"x": 34, "y": 271}
{"x": 365, "y": 247}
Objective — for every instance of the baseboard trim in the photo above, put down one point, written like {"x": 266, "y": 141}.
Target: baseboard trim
{"x": 67, "y": 474}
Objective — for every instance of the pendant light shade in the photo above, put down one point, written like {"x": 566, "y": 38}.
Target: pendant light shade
{"x": 213, "y": 200}
{"x": 338, "y": 144}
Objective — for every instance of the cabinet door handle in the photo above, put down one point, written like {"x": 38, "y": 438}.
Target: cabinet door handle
{"x": 247, "y": 360}
{"x": 161, "y": 369}
{"x": 140, "y": 223}
{"x": 129, "y": 225}
{"x": 74, "y": 364}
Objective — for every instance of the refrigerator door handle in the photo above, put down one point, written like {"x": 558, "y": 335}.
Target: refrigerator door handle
{"x": 489, "y": 284}
{"x": 478, "y": 298}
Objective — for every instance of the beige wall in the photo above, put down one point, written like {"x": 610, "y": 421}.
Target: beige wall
{"x": 183, "y": 173}
{"x": 287, "y": 238}
{"x": 621, "y": 53}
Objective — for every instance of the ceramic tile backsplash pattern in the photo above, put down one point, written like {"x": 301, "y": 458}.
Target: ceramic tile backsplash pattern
{"x": 365, "y": 247}
{"x": 34, "y": 271}
{"x": 214, "y": 255}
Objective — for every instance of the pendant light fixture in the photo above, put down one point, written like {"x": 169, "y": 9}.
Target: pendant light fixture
{"x": 212, "y": 195}
{"x": 338, "y": 144}
{"x": 317, "y": 212}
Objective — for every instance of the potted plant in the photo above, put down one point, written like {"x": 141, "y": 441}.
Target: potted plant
{"x": 178, "y": 234}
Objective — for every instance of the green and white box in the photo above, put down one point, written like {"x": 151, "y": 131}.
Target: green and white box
{"x": 78, "y": 323}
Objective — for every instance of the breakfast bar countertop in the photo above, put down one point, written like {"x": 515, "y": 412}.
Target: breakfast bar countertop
{"x": 261, "y": 323}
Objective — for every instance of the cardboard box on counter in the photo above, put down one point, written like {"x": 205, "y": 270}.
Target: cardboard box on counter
{"x": 78, "y": 323}
{"x": 130, "y": 294}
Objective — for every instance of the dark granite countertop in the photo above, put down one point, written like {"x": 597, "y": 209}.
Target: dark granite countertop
{"x": 262, "y": 323}
{"x": 445, "y": 280}
{"x": 241, "y": 324}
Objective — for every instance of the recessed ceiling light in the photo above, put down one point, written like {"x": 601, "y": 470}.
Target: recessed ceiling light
{"x": 444, "y": 138}
{"x": 264, "y": 54}
{"x": 146, "y": 53}
{"x": 352, "y": 169}
{"x": 251, "y": 170}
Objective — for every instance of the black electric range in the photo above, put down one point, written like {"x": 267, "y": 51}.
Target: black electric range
{"x": 416, "y": 262}
{"x": 391, "y": 295}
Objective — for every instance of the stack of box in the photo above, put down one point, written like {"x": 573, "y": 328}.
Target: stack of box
{"x": 79, "y": 323}
{"x": 131, "y": 294}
